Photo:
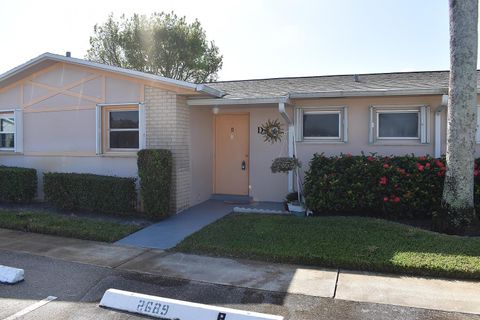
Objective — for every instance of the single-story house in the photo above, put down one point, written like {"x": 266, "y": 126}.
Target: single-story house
{"x": 63, "y": 114}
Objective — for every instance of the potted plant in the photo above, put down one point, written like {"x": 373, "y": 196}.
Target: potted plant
{"x": 293, "y": 200}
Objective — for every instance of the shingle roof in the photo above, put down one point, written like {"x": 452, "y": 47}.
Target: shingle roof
{"x": 366, "y": 82}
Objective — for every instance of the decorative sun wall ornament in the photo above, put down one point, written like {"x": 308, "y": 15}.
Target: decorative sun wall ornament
{"x": 272, "y": 131}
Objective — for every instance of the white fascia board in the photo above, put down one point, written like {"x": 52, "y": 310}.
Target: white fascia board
{"x": 105, "y": 67}
{"x": 366, "y": 93}
{"x": 237, "y": 101}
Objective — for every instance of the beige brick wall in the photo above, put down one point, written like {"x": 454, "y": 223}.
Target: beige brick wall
{"x": 168, "y": 127}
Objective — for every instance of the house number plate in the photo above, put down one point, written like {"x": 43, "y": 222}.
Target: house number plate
{"x": 171, "y": 309}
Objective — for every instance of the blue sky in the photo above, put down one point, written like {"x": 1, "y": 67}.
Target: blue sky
{"x": 259, "y": 39}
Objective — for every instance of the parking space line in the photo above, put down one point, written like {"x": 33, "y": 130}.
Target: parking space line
{"x": 31, "y": 308}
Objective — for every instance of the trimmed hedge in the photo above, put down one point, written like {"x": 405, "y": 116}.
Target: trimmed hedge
{"x": 80, "y": 191}
{"x": 155, "y": 172}
{"x": 394, "y": 187}
{"x": 17, "y": 184}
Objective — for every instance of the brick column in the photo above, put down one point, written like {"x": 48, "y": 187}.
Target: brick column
{"x": 168, "y": 127}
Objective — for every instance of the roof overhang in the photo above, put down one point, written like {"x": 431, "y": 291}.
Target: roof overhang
{"x": 236, "y": 101}
{"x": 315, "y": 95}
{"x": 47, "y": 59}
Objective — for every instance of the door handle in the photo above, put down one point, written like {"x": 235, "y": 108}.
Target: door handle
{"x": 244, "y": 165}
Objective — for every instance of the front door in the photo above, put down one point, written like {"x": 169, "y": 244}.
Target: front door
{"x": 231, "y": 154}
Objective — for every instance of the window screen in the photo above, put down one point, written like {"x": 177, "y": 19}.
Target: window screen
{"x": 7, "y": 131}
{"x": 321, "y": 125}
{"x": 398, "y": 125}
{"x": 124, "y": 129}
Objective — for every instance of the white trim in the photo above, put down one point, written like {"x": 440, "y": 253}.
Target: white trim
{"x": 366, "y": 93}
{"x": 438, "y": 135}
{"x": 109, "y": 130}
{"x": 371, "y": 125}
{"x": 236, "y": 101}
{"x": 99, "y": 147}
{"x": 423, "y": 123}
{"x": 98, "y": 129}
{"x": 438, "y": 125}
{"x": 132, "y": 73}
{"x": 300, "y": 112}
{"x": 18, "y": 138}
{"x": 345, "y": 124}
{"x": 14, "y": 131}
{"x": 142, "y": 118}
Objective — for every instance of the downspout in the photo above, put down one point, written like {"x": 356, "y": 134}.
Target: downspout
{"x": 438, "y": 125}
{"x": 291, "y": 138}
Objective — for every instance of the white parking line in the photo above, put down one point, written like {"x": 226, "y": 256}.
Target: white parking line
{"x": 31, "y": 308}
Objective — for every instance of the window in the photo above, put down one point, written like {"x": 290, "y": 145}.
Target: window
{"x": 398, "y": 124}
{"x": 123, "y": 129}
{"x": 390, "y": 123}
{"x": 119, "y": 128}
{"x": 321, "y": 124}
{"x": 326, "y": 124}
{"x": 7, "y": 131}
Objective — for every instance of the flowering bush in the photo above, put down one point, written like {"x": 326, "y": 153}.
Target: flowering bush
{"x": 395, "y": 187}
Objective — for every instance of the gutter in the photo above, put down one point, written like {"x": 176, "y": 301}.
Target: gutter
{"x": 236, "y": 101}
{"x": 209, "y": 90}
{"x": 367, "y": 93}
{"x": 312, "y": 95}
{"x": 291, "y": 139}
{"x": 438, "y": 125}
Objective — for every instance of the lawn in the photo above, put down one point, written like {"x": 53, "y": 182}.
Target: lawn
{"x": 355, "y": 243}
{"x": 74, "y": 227}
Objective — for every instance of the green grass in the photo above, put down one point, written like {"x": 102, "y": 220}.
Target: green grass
{"x": 73, "y": 227}
{"x": 342, "y": 242}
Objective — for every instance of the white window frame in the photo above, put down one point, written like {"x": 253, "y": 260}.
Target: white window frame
{"x": 8, "y": 115}
{"x": 423, "y": 124}
{"x": 342, "y": 112}
{"x": 100, "y": 131}
{"x": 17, "y": 131}
{"x": 383, "y": 111}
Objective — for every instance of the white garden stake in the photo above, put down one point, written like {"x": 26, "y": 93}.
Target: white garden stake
{"x": 165, "y": 308}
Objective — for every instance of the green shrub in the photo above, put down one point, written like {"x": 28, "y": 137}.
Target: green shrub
{"x": 155, "y": 172}
{"x": 395, "y": 187}
{"x": 17, "y": 184}
{"x": 80, "y": 191}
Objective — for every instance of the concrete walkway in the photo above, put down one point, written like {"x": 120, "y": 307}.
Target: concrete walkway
{"x": 438, "y": 294}
{"x": 168, "y": 233}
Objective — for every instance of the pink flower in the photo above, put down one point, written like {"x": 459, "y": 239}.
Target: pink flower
{"x": 396, "y": 199}
{"x": 383, "y": 180}
{"x": 370, "y": 158}
{"x": 422, "y": 158}
{"x": 439, "y": 164}
{"x": 427, "y": 166}
{"x": 401, "y": 171}
{"x": 386, "y": 166}
{"x": 419, "y": 167}
{"x": 385, "y": 199}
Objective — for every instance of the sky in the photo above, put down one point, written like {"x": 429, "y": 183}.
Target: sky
{"x": 257, "y": 38}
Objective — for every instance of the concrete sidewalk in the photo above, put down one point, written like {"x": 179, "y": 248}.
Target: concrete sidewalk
{"x": 168, "y": 233}
{"x": 438, "y": 294}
